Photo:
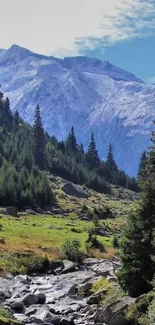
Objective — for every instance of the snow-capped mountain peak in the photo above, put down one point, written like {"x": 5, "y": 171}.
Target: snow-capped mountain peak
{"x": 91, "y": 94}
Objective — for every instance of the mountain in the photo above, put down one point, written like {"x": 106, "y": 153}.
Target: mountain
{"x": 85, "y": 92}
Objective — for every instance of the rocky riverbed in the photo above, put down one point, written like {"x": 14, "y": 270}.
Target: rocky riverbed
{"x": 56, "y": 298}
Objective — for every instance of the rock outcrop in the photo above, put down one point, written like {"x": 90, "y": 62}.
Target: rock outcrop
{"x": 65, "y": 298}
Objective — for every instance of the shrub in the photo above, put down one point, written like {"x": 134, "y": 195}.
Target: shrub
{"x": 93, "y": 242}
{"x": 71, "y": 250}
{"x": 115, "y": 242}
{"x": 102, "y": 283}
{"x": 151, "y": 312}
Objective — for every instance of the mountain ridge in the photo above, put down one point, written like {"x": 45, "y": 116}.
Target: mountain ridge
{"x": 91, "y": 94}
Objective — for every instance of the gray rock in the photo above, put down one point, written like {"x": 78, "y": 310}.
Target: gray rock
{"x": 53, "y": 319}
{"x": 41, "y": 298}
{"x": 56, "y": 266}
{"x": 30, "y": 211}
{"x": 5, "y": 294}
{"x": 75, "y": 190}
{"x": 18, "y": 306}
{"x": 73, "y": 290}
{"x": 29, "y": 299}
{"x": 66, "y": 321}
{"x": 12, "y": 211}
{"x": 68, "y": 266}
{"x": 42, "y": 314}
{"x": 32, "y": 310}
{"x": 94, "y": 299}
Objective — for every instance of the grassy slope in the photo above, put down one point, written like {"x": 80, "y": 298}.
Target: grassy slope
{"x": 33, "y": 233}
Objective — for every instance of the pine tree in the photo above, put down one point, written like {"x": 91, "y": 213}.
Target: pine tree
{"x": 81, "y": 148}
{"x": 38, "y": 140}
{"x": 137, "y": 246}
{"x": 110, "y": 162}
{"x": 92, "y": 154}
{"x": 142, "y": 165}
{"x": 71, "y": 141}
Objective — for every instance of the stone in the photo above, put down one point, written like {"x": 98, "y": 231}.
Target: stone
{"x": 75, "y": 190}
{"x": 73, "y": 290}
{"x": 94, "y": 299}
{"x": 56, "y": 265}
{"x": 66, "y": 321}
{"x": 18, "y": 306}
{"x": 42, "y": 313}
{"x": 12, "y": 211}
{"x": 41, "y": 298}
{"x": 5, "y": 294}
{"x": 53, "y": 319}
{"x": 29, "y": 299}
{"x": 30, "y": 211}
{"x": 68, "y": 266}
{"x": 32, "y": 310}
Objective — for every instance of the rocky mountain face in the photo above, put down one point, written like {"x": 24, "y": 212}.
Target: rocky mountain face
{"x": 90, "y": 94}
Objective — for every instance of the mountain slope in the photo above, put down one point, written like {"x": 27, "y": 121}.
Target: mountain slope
{"x": 90, "y": 94}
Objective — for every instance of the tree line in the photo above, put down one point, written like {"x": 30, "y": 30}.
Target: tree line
{"x": 28, "y": 154}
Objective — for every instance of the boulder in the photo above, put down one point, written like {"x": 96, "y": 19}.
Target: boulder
{"x": 41, "y": 298}
{"x": 56, "y": 266}
{"x": 94, "y": 299}
{"x": 12, "y": 211}
{"x": 68, "y": 266}
{"x": 42, "y": 314}
{"x": 75, "y": 190}
{"x": 18, "y": 306}
{"x": 29, "y": 299}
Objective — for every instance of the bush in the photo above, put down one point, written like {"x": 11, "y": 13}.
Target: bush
{"x": 93, "y": 242}
{"x": 22, "y": 263}
{"x": 71, "y": 251}
{"x": 151, "y": 312}
{"x": 115, "y": 242}
{"x": 105, "y": 213}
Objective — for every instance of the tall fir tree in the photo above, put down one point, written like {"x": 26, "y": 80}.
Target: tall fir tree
{"x": 71, "y": 141}
{"x": 92, "y": 154}
{"x": 81, "y": 148}
{"x": 39, "y": 140}
{"x": 110, "y": 162}
{"x": 142, "y": 165}
{"x": 137, "y": 245}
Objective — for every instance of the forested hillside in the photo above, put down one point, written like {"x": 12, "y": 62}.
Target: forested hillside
{"x": 28, "y": 154}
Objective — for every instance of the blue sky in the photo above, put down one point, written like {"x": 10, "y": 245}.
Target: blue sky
{"x": 120, "y": 31}
{"x": 135, "y": 55}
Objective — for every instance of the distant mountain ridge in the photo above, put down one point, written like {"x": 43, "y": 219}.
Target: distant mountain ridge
{"x": 91, "y": 94}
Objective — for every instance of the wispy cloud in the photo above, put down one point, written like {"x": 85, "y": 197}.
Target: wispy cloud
{"x": 121, "y": 21}
{"x": 68, "y": 27}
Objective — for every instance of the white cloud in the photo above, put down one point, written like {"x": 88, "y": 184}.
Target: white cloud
{"x": 64, "y": 27}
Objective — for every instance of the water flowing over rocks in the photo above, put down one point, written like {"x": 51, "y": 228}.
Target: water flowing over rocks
{"x": 64, "y": 298}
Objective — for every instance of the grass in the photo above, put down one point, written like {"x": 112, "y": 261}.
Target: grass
{"x": 31, "y": 236}
{"x": 6, "y": 318}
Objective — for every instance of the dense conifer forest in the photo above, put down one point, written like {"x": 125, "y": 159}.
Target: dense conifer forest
{"x": 28, "y": 155}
